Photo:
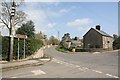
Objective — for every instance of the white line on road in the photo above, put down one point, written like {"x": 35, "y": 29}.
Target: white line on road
{"x": 98, "y": 71}
{"x": 96, "y": 52}
{"x": 109, "y": 75}
{"x": 38, "y": 72}
{"x": 13, "y": 77}
{"x": 112, "y": 76}
{"x": 77, "y": 66}
{"x": 115, "y": 77}
{"x": 82, "y": 68}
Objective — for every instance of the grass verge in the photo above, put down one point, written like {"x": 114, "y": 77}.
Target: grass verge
{"x": 61, "y": 49}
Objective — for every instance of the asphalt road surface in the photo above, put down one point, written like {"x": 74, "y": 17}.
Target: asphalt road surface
{"x": 73, "y": 65}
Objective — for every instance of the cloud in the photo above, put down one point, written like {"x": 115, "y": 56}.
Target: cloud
{"x": 64, "y": 11}
{"x": 51, "y": 25}
{"x": 79, "y": 22}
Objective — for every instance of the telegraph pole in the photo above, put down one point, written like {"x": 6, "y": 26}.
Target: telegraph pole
{"x": 58, "y": 35}
{"x": 12, "y": 31}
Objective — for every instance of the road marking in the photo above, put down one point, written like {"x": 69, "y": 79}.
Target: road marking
{"x": 82, "y": 68}
{"x": 85, "y": 68}
{"x": 96, "y": 52}
{"x": 109, "y": 75}
{"x": 38, "y": 72}
{"x": 115, "y": 77}
{"x": 112, "y": 76}
{"x": 13, "y": 77}
{"x": 98, "y": 71}
{"x": 77, "y": 66}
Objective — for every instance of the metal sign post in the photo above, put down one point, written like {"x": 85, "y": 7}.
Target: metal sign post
{"x": 18, "y": 49}
{"x": 24, "y": 48}
{"x": 24, "y": 37}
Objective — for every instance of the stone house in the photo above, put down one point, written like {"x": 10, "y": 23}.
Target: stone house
{"x": 76, "y": 43}
{"x": 96, "y": 38}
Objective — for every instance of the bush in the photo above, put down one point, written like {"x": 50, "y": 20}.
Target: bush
{"x": 116, "y": 43}
{"x": 32, "y": 45}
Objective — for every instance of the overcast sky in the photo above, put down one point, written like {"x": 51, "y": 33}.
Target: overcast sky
{"x": 75, "y": 18}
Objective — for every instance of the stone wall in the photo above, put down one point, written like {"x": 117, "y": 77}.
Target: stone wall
{"x": 107, "y": 42}
{"x": 92, "y": 39}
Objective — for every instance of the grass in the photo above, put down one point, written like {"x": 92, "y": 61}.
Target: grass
{"x": 61, "y": 49}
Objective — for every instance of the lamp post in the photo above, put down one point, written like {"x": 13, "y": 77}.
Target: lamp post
{"x": 12, "y": 31}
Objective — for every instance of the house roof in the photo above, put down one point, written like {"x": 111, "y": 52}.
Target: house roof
{"x": 100, "y": 32}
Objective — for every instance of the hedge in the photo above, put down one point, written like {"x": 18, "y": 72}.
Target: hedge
{"x": 32, "y": 45}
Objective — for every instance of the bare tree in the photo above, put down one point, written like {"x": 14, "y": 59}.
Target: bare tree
{"x": 5, "y": 14}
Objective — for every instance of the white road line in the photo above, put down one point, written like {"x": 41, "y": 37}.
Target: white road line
{"x": 13, "y": 77}
{"x": 38, "y": 72}
{"x": 81, "y": 69}
{"x": 77, "y": 66}
{"x": 109, "y": 75}
{"x": 96, "y": 52}
{"x": 115, "y": 77}
{"x": 98, "y": 71}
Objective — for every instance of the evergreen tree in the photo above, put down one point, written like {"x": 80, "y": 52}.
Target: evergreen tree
{"x": 27, "y": 29}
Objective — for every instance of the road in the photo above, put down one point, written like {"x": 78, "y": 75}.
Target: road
{"x": 73, "y": 65}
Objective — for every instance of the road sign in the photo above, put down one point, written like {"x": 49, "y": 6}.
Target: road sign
{"x": 20, "y": 36}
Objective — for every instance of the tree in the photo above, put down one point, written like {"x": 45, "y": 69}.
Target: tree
{"x": 76, "y": 38}
{"x": 27, "y": 29}
{"x": 5, "y": 14}
{"x": 53, "y": 41}
{"x": 41, "y": 36}
{"x": 116, "y": 43}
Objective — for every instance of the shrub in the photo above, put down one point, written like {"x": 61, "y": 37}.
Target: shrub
{"x": 116, "y": 43}
{"x": 32, "y": 45}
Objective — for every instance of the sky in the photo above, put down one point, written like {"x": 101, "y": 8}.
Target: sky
{"x": 75, "y": 18}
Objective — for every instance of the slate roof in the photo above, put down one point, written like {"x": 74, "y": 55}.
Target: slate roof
{"x": 102, "y": 33}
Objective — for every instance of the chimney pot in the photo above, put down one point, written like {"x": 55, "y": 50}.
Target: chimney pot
{"x": 98, "y": 27}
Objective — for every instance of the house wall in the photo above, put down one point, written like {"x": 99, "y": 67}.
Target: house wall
{"x": 92, "y": 40}
{"x": 107, "y": 42}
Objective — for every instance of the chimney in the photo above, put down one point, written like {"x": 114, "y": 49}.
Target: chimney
{"x": 98, "y": 27}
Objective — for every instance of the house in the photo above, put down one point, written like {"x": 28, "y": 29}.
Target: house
{"x": 76, "y": 43}
{"x": 96, "y": 38}
{"x": 66, "y": 41}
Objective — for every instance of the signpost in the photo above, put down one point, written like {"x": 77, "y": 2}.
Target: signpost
{"x": 24, "y": 37}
